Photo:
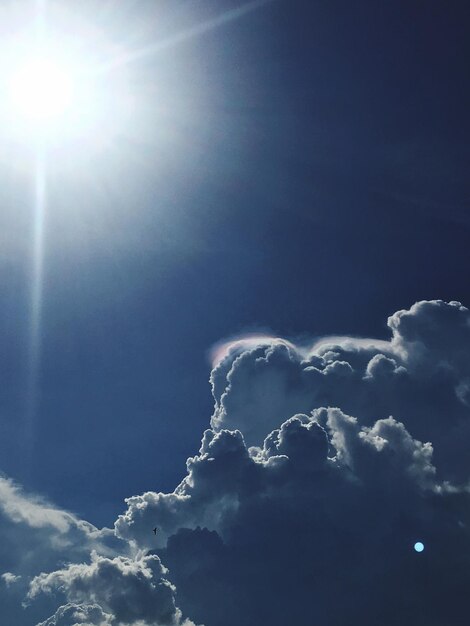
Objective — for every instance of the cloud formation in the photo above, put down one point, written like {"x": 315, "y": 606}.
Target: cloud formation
{"x": 79, "y": 614}
{"x": 421, "y": 375}
{"x": 131, "y": 591}
{"x": 321, "y": 470}
{"x": 38, "y": 536}
{"x": 49, "y": 556}
{"x": 323, "y": 466}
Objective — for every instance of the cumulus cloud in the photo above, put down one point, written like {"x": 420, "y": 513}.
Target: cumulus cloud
{"x": 421, "y": 375}
{"x": 317, "y": 525}
{"x": 46, "y": 552}
{"x": 133, "y": 592}
{"x": 78, "y": 614}
{"x": 324, "y": 464}
{"x": 39, "y": 536}
{"x": 326, "y": 447}
{"x": 322, "y": 468}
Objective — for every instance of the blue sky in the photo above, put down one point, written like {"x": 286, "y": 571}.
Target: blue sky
{"x": 298, "y": 172}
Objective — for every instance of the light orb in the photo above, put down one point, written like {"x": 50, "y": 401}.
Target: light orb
{"x": 419, "y": 546}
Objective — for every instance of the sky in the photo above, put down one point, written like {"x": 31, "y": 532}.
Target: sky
{"x": 262, "y": 243}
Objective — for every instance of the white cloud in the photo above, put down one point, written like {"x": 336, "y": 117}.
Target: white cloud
{"x": 79, "y": 614}
{"x": 130, "y": 591}
{"x": 323, "y": 466}
{"x": 9, "y": 578}
{"x": 39, "y": 536}
{"x": 34, "y": 511}
{"x": 421, "y": 376}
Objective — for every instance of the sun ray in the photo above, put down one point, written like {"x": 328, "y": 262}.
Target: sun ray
{"x": 36, "y": 296}
{"x": 189, "y": 33}
{"x": 37, "y": 267}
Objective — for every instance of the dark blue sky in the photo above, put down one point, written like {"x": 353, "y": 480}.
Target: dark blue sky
{"x": 317, "y": 183}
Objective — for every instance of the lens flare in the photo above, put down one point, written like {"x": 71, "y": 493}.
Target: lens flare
{"x": 419, "y": 546}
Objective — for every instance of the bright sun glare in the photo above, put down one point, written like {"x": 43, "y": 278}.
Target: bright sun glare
{"x": 41, "y": 88}
{"x": 54, "y": 91}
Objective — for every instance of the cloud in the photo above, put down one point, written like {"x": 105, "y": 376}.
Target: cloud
{"x": 421, "y": 375}
{"x": 324, "y": 464}
{"x": 433, "y": 333}
{"x": 238, "y": 345}
{"x": 131, "y": 591}
{"x": 315, "y": 526}
{"x": 327, "y": 446}
{"x": 321, "y": 470}
{"x": 46, "y": 551}
{"x": 38, "y": 536}
{"x": 9, "y": 578}
{"x": 35, "y": 512}
{"x": 76, "y": 614}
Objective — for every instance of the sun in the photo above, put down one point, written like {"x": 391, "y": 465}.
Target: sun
{"x": 42, "y": 89}
{"x": 55, "y": 93}
{"x": 47, "y": 93}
